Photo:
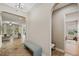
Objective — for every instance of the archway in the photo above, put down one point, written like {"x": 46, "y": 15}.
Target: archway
{"x": 58, "y": 29}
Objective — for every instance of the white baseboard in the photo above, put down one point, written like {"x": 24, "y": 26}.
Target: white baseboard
{"x": 59, "y": 50}
{"x": 66, "y": 54}
{"x": 43, "y": 54}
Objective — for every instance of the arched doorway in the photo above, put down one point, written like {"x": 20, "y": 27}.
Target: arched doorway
{"x": 58, "y": 25}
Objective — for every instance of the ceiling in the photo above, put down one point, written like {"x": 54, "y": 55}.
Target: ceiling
{"x": 60, "y": 5}
{"x": 12, "y": 18}
{"x": 26, "y": 6}
{"x": 74, "y": 15}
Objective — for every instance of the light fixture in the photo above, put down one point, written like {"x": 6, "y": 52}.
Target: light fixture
{"x": 20, "y": 5}
{"x": 10, "y": 24}
{"x": 6, "y": 22}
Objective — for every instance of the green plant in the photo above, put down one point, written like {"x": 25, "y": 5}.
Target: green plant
{"x": 71, "y": 32}
{"x": 75, "y": 31}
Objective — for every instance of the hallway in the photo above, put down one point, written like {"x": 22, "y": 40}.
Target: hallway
{"x": 14, "y": 48}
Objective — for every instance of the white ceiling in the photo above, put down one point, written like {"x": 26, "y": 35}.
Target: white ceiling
{"x": 74, "y": 15}
{"x": 60, "y": 5}
{"x": 26, "y": 6}
{"x": 13, "y": 18}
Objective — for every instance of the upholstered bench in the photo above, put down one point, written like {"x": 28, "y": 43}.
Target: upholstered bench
{"x": 34, "y": 48}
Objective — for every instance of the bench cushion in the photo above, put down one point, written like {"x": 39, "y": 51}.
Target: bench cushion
{"x": 37, "y": 50}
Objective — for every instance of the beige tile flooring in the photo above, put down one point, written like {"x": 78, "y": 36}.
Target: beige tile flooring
{"x": 57, "y": 53}
{"x": 14, "y": 48}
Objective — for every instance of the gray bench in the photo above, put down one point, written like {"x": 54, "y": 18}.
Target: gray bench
{"x": 34, "y": 48}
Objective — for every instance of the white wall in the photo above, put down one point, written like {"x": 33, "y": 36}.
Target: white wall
{"x": 58, "y": 24}
{"x": 39, "y": 28}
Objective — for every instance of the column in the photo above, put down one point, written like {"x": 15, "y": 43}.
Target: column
{"x": 22, "y": 33}
{"x": 12, "y": 37}
{"x": 0, "y": 30}
{"x": 5, "y": 28}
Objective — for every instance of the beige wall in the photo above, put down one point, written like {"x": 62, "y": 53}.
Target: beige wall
{"x": 58, "y": 25}
{"x": 39, "y": 29}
